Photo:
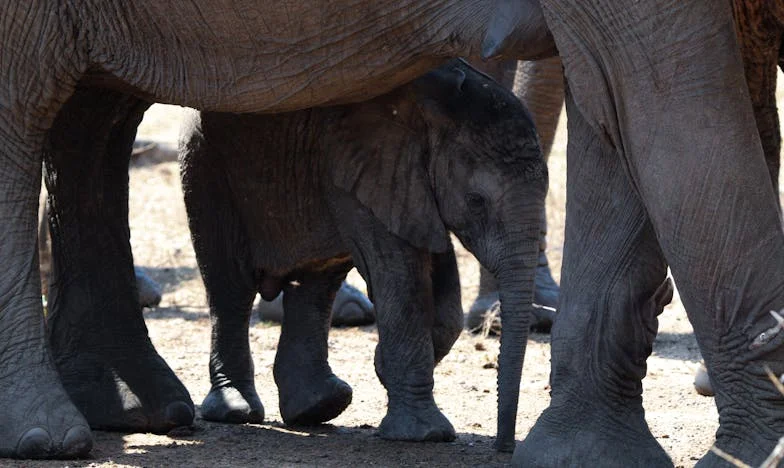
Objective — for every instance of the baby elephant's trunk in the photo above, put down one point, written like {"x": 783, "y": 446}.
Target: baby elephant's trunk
{"x": 516, "y": 282}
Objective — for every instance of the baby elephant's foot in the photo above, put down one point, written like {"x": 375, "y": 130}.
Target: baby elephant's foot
{"x": 314, "y": 402}
{"x": 416, "y": 423}
{"x": 236, "y": 404}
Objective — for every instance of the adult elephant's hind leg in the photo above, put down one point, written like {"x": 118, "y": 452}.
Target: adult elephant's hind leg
{"x": 613, "y": 289}
{"x": 98, "y": 337}
{"x": 309, "y": 392}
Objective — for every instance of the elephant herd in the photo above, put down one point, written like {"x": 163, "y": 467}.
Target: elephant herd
{"x": 380, "y": 144}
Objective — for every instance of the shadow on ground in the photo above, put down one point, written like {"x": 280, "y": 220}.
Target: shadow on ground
{"x": 274, "y": 444}
{"x": 681, "y": 346}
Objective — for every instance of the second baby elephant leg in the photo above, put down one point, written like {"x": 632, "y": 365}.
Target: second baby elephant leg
{"x": 308, "y": 390}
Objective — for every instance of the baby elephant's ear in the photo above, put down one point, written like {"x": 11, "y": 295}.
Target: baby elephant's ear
{"x": 380, "y": 157}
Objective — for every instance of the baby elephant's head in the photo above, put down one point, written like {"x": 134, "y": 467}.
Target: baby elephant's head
{"x": 485, "y": 165}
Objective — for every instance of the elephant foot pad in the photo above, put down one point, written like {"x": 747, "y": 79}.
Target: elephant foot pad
{"x": 315, "y": 404}
{"x": 404, "y": 422}
{"x": 28, "y": 429}
{"x": 568, "y": 437}
{"x": 137, "y": 392}
{"x": 233, "y": 405}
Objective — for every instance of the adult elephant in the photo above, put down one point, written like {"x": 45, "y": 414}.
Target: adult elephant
{"x": 760, "y": 27}
{"x": 77, "y": 79}
{"x": 665, "y": 166}
{"x": 653, "y": 92}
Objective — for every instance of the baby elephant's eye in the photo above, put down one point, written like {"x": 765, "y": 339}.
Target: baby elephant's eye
{"x": 475, "y": 201}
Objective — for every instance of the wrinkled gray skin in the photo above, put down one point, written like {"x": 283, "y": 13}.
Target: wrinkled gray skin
{"x": 656, "y": 91}
{"x": 290, "y": 202}
{"x": 150, "y": 293}
{"x": 540, "y": 85}
{"x": 77, "y": 77}
{"x": 656, "y": 95}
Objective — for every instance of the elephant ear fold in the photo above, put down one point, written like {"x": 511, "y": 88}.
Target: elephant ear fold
{"x": 379, "y": 152}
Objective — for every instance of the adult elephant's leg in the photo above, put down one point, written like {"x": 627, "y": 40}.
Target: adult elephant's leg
{"x": 613, "y": 289}
{"x": 97, "y": 334}
{"x": 221, "y": 246}
{"x": 309, "y": 391}
{"x": 37, "y": 419}
{"x": 759, "y": 38}
{"x": 677, "y": 109}
{"x": 539, "y": 84}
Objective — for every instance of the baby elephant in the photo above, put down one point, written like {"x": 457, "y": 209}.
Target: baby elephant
{"x": 290, "y": 202}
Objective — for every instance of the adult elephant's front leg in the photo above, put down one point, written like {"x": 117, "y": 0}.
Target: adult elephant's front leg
{"x": 678, "y": 111}
{"x": 759, "y": 27}
{"x": 37, "y": 419}
{"x": 614, "y": 288}
{"x": 97, "y": 334}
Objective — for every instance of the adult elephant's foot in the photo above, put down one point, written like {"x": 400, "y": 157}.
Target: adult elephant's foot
{"x": 546, "y": 293}
{"x": 746, "y": 378}
{"x": 416, "y": 422}
{"x": 744, "y": 447}
{"x": 37, "y": 419}
{"x": 314, "y": 401}
{"x": 351, "y": 308}
{"x": 236, "y": 404}
{"x": 575, "y": 435}
{"x": 702, "y": 383}
{"x": 485, "y": 314}
{"x": 129, "y": 389}
{"x": 150, "y": 293}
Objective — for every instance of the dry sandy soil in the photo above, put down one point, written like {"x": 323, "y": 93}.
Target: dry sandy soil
{"x": 682, "y": 421}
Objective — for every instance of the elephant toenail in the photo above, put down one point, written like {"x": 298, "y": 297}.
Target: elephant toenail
{"x": 179, "y": 413}
{"x": 78, "y": 442}
{"x": 35, "y": 443}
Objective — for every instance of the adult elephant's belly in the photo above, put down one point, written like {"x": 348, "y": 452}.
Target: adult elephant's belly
{"x": 214, "y": 58}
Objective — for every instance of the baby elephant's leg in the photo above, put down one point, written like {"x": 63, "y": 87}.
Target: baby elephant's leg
{"x": 448, "y": 320}
{"x": 308, "y": 390}
{"x": 404, "y": 294}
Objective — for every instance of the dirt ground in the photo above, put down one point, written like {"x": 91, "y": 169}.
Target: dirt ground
{"x": 465, "y": 386}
